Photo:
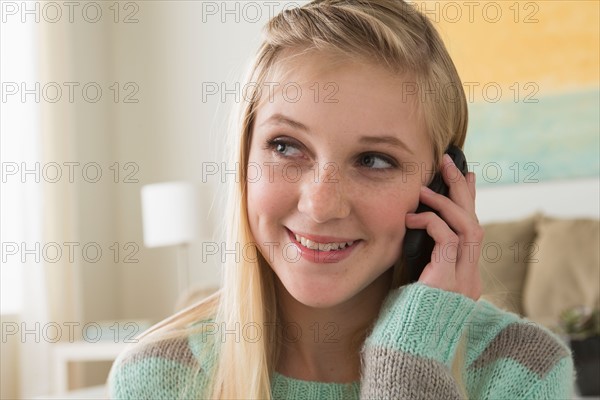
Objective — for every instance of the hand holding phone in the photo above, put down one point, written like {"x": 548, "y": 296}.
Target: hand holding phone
{"x": 418, "y": 245}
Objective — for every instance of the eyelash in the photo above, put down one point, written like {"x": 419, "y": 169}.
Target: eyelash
{"x": 386, "y": 159}
{"x": 272, "y": 144}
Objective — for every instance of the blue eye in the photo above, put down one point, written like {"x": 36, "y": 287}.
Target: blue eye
{"x": 376, "y": 162}
{"x": 283, "y": 148}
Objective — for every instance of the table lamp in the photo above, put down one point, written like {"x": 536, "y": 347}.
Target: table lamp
{"x": 170, "y": 218}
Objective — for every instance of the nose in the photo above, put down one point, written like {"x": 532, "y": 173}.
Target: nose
{"x": 323, "y": 198}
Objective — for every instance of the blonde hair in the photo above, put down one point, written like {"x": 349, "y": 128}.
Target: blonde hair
{"x": 389, "y": 32}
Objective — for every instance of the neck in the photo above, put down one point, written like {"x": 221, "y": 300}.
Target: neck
{"x": 323, "y": 344}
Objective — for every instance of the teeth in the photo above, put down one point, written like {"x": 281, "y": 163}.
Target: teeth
{"x": 322, "y": 246}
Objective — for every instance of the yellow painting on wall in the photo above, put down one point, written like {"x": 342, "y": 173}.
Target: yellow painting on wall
{"x": 530, "y": 70}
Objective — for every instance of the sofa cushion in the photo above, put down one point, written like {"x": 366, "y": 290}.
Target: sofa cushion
{"x": 565, "y": 271}
{"x": 503, "y": 261}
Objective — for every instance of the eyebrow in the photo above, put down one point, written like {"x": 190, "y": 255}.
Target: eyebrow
{"x": 385, "y": 139}
{"x": 389, "y": 140}
{"x": 282, "y": 119}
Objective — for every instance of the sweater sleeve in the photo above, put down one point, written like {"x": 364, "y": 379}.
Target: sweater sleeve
{"x": 411, "y": 348}
{"x": 165, "y": 369}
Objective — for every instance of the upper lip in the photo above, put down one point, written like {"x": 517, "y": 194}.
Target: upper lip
{"x": 323, "y": 239}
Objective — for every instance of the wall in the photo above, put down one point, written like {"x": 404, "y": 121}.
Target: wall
{"x": 172, "y": 132}
{"x": 530, "y": 70}
{"x": 534, "y": 143}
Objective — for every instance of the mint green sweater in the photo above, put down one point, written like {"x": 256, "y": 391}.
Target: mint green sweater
{"x": 407, "y": 355}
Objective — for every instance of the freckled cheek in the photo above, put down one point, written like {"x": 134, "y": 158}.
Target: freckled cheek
{"x": 269, "y": 197}
{"x": 386, "y": 210}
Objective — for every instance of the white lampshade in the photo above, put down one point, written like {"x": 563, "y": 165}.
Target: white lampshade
{"x": 170, "y": 213}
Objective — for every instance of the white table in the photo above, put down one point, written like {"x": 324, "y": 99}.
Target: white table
{"x": 90, "y": 393}
{"x": 64, "y": 353}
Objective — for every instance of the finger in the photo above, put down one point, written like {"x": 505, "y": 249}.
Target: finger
{"x": 460, "y": 220}
{"x": 440, "y": 271}
{"x": 470, "y": 235}
{"x": 451, "y": 267}
{"x": 457, "y": 183}
{"x": 465, "y": 225}
{"x": 471, "y": 183}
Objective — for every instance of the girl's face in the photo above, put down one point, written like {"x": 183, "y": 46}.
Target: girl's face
{"x": 337, "y": 158}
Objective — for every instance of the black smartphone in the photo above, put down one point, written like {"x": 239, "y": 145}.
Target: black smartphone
{"x": 418, "y": 245}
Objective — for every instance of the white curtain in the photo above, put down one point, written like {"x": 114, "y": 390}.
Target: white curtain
{"x": 23, "y": 287}
{"x": 35, "y": 212}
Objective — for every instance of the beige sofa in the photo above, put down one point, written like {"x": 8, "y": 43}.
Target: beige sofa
{"x": 539, "y": 266}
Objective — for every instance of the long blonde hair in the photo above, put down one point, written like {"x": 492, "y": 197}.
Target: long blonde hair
{"x": 390, "y": 33}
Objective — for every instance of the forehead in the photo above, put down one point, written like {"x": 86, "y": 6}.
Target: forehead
{"x": 335, "y": 92}
{"x": 292, "y": 69}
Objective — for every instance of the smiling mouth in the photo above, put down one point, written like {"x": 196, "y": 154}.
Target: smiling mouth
{"x": 327, "y": 246}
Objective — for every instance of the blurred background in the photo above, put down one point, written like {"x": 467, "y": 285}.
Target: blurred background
{"x": 100, "y": 99}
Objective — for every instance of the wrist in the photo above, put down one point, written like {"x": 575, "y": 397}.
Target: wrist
{"x": 422, "y": 320}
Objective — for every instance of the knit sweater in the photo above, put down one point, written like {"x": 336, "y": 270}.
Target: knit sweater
{"x": 407, "y": 355}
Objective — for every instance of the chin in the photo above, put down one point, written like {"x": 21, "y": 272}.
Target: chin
{"x": 320, "y": 302}
{"x": 330, "y": 290}
{"x": 321, "y": 295}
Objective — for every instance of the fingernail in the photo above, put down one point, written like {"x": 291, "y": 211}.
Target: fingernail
{"x": 447, "y": 158}
{"x": 426, "y": 189}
